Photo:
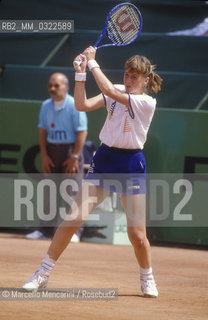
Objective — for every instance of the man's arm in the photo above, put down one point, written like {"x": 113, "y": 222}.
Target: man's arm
{"x": 47, "y": 162}
{"x": 72, "y": 163}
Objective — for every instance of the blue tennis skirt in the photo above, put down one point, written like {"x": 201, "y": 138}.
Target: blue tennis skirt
{"x": 119, "y": 170}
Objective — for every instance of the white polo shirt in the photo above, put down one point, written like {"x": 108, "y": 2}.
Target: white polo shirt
{"x": 127, "y": 127}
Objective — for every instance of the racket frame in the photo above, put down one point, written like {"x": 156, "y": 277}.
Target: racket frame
{"x": 105, "y": 29}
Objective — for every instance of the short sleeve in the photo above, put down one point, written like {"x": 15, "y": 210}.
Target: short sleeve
{"x": 142, "y": 104}
{"x": 41, "y": 123}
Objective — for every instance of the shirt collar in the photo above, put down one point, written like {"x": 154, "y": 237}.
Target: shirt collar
{"x": 63, "y": 104}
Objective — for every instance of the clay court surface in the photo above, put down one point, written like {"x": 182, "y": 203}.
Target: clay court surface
{"x": 181, "y": 276}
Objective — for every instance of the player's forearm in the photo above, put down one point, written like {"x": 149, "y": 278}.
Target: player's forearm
{"x": 108, "y": 89}
{"x": 104, "y": 84}
{"x": 81, "y": 101}
{"x": 80, "y": 98}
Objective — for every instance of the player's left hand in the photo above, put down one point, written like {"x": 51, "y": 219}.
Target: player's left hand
{"x": 82, "y": 67}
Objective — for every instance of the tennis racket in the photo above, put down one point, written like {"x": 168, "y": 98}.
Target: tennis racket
{"x": 122, "y": 27}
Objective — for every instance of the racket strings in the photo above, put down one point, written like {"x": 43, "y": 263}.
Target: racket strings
{"x": 123, "y": 25}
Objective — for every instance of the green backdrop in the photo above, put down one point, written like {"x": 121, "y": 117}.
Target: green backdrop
{"x": 177, "y": 143}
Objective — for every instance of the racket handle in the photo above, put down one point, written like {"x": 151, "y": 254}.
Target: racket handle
{"x": 76, "y": 62}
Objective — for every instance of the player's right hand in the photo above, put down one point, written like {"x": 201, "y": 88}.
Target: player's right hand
{"x": 90, "y": 53}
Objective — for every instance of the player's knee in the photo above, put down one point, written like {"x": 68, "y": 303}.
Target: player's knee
{"x": 72, "y": 221}
{"x": 137, "y": 237}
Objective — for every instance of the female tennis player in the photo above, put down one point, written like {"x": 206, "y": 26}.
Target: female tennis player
{"x": 129, "y": 113}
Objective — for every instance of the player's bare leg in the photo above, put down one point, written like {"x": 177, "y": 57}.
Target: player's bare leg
{"x": 89, "y": 197}
{"x": 86, "y": 200}
{"x": 135, "y": 208}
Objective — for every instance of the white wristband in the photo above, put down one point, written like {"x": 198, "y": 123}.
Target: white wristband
{"x": 92, "y": 64}
{"x": 80, "y": 76}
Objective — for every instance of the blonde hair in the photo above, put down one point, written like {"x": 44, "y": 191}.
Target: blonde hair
{"x": 142, "y": 65}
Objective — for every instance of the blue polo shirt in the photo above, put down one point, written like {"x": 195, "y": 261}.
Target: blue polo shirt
{"x": 62, "y": 124}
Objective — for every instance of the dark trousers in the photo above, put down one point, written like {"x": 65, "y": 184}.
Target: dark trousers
{"x": 59, "y": 153}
